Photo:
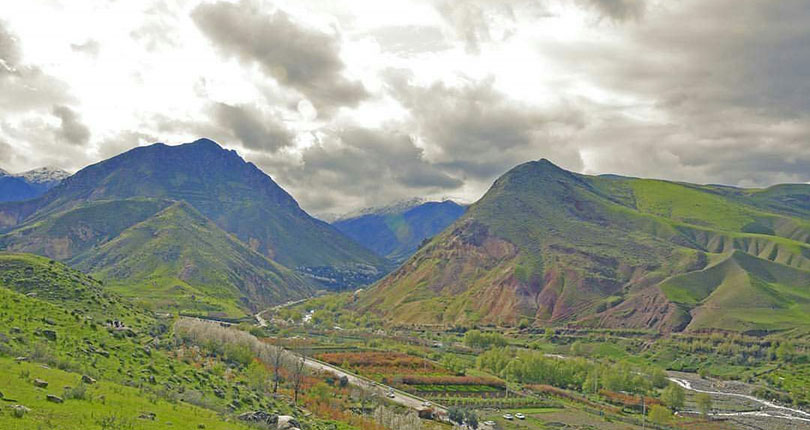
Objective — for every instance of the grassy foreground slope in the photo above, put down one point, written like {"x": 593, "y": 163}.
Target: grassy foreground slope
{"x": 548, "y": 246}
{"x": 113, "y": 365}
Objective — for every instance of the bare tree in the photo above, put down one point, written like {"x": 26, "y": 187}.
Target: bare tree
{"x": 299, "y": 371}
{"x": 277, "y": 355}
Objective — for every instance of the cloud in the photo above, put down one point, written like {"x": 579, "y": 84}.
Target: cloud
{"x": 301, "y": 58}
{"x": 71, "y": 129}
{"x": 89, "y": 47}
{"x": 479, "y": 132}
{"x": 352, "y": 166}
{"x": 23, "y": 86}
{"x": 617, "y": 10}
{"x": 734, "y": 111}
{"x": 123, "y": 141}
{"x": 255, "y": 130}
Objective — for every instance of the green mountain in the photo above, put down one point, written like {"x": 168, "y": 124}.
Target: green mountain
{"x": 552, "y": 247}
{"x": 180, "y": 259}
{"x": 235, "y": 194}
{"x": 396, "y": 232}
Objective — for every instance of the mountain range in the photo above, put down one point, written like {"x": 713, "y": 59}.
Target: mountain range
{"x": 30, "y": 184}
{"x": 187, "y": 224}
{"x": 396, "y": 231}
{"x": 545, "y": 246}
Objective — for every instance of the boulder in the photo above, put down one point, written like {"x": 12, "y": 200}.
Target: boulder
{"x": 53, "y": 399}
{"x": 49, "y": 334}
{"x": 259, "y": 417}
{"x": 286, "y": 422}
{"x": 40, "y": 383}
{"x": 147, "y": 416}
{"x": 88, "y": 380}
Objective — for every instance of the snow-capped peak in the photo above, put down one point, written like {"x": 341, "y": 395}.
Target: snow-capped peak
{"x": 43, "y": 175}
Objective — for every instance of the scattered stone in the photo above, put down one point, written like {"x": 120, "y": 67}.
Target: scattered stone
{"x": 286, "y": 422}
{"x": 48, "y": 321}
{"x": 53, "y": 399}
{"x": 88, "y": 380}
{"x": 147, "y": 416}
{"x": 21, "y": 358}
{"x": 19, "y": 410}
{"x": 49, "y": 334}
{"x": 219, "y": 393}
{"x": 16, "y": 330}
{"x": 40, "y": 383}
{"x": 259, "y": 417}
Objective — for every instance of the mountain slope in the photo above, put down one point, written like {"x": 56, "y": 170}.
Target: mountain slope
{"x": 555, "y": 247}
{"x": 179, "y": 259}
{"x": 396, "y": 233}
{"x": 236, "y": 195}
{"x": 30, "y": 184}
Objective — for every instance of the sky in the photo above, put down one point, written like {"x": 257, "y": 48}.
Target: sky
{"x": 354, "y": 103}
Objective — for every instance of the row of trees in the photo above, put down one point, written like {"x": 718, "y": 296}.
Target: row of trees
{"x": 244, "y": 349}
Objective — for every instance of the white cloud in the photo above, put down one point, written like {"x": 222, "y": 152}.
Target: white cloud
{"x": 626, "y": 86}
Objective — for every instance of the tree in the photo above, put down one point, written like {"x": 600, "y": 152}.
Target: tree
{"x": 456, "y": 414}
{"x": 704, "y": 403}
{"x": 276, "y": 361}
{"x": 257, "y": 376}
{"x": 298, "y": 372}
{"x": 471, "y": 419}
{"x": 673, "y": 396}
{"x": 660, "y": 415}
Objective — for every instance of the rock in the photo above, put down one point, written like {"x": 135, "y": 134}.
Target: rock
{"x": 219, "y": 393}
{"x": 40, "y": 383}
{"x": 147, "y": 416}
{"x": 19, "y": 410}
{"x": 88, "y": 380}
{"x": 49, "y": 334}
{"x": 259, "y": 417}
{"x": 286, "y": 422}
{"x": 53, "y": 399}
{"x": 21, "y": 358}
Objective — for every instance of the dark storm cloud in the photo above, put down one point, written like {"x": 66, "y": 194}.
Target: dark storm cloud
{"x": 303, "y": 59}
{"x": 356, "y": 167}
{"x": 734, "y": 98}
{"x": 255, "y": 130}
{"x": 479, "y": 132}
{"x": 618, "y": 10}
{"x": 71, "y": 128}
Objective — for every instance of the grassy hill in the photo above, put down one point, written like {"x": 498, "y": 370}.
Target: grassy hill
{"x": 178, "y": 259}
{"x": 551, "y": 247}
{"x": 56, "y": 327}
{"x": 397, "y": 234}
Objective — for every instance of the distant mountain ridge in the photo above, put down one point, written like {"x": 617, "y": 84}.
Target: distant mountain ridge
{"x": 552, "y": 247}
{"x": 29, "y": 184}
{"x": 91, "y": 215}
{"x": 397, "y": 230}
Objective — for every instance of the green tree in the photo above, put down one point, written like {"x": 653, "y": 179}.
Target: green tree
{"x": 660, "y": 415}
{"x": 673, "y": 396}
{"x": 257, "y": 376}
{"x": 704, "y": 403}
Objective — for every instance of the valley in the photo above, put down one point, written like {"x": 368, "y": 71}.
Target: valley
{"x": 558, "y": 300}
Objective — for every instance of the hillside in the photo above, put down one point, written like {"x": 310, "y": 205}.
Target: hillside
{"x": 234, "y": 194}
{"x": 397, "y": 232}
{"x": 552, "y": 247}
{"x": 178, "y": 259}
{"x": 72, "y": 355}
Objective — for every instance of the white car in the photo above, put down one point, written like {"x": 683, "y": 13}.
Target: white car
{"x": 520, "y": 416}
{"x": 489, "y": 423}
{"x": 508, "y": 417}
{"x": 426, "y": 404}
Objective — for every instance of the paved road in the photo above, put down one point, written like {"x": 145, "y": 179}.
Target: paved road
{"x": 380, "y": 389}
